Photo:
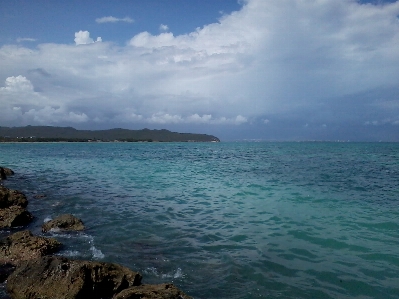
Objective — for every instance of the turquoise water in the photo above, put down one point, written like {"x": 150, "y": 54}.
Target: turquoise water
{"x": 226, "y": 220}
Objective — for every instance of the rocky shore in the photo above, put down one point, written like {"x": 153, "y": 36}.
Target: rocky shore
{"x": 30, "y": 269}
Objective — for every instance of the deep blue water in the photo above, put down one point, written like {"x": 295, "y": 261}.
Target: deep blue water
{"x": 226, "y": 220}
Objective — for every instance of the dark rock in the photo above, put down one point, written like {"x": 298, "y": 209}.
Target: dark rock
{"x": 62, "y": 278}
{"x": 161, "y": 291}
{"x": 14, "y": 216}
{"x": 22, "y": 246}
{"x": 39, "y": 196}
{"x": 4, "y": 172}
{"x": 9, "y": 197}
{"x": 8, "y": 171}
{"x": 64, "y": 222}
{"x": 5, "y": 271}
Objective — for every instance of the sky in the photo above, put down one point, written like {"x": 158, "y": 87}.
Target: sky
{"x": 240, "y": 70}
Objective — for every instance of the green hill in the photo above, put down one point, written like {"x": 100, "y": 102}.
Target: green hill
{"x": 49, "y": 134}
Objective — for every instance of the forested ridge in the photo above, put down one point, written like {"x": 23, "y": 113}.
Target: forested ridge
{"x": 69, "y": 134}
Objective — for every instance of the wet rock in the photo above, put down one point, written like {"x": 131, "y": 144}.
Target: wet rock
{"x": 5, "y": 270}
{"x": 4, "y": 172}
{"x": 9, "y": 197}
{"x": 64, "y": 222}
{"x": 8, "y": 171}
{"x": 39, "y": 196}
{"x": 161, "y": 291}
{"x": 22, "y": 246}
{"x": 14, "y": 216}
{"x": 59, "y": 277}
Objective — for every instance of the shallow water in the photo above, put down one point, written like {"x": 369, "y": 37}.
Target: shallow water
{"x": 226, "y": 220}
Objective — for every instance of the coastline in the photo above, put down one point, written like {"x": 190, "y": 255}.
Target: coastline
{"x": 26, "y": 260}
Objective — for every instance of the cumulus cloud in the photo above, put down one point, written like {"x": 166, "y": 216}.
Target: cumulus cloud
{"x": 111, "y": 19}
{"x": 83, "y": 38}
{"x": 20, "y": 104}
{"x": 17, "y": 84}
{"x": 271, "y": 62}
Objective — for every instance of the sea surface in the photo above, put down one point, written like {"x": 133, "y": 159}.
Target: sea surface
{"x": 225, "y": 220}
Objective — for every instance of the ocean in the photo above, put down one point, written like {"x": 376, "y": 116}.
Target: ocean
{"x": 225, "y": 220}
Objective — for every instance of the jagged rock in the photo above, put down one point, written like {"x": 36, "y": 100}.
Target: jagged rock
{"x": 64, "y": 222}
{"x": 161, "y": 291}
{"x": 62, "y": 278}
{"x": 22, "y": 246}
{"x": 12, "y": 208}
{"x": 14, "y": 216}
{"x": 9, "y": 197}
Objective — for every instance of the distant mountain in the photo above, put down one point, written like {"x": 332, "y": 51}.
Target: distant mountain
{"x": 47, "y": 133}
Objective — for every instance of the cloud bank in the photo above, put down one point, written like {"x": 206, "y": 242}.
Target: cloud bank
{"x": 325, "y": 63}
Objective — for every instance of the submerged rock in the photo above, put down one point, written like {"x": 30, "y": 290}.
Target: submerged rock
{"x": 161, "y": 291}
{"x": 22, "y": 246}
{"x": 59, "y": 277}
{"x": 9, "y": 197}
{"x": 64, "y": 222}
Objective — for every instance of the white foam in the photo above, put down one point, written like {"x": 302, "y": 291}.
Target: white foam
{"x": 47, "y": 219}
{"x": 178, "y": 273}
{"x": 151, "y": 270}
{"x": 96, "y": 252}
{"x": 70, "y": 253}
{"x": 174, "y": 274}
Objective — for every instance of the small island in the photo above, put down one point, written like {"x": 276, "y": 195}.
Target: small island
{"x": 69, "y": 134}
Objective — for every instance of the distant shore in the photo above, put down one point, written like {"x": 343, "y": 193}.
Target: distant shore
{"x": 69, "y": 134}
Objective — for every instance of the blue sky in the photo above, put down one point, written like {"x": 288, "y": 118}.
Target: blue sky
{"x": 251, "y": 69}
{"x": 53, "y": 21}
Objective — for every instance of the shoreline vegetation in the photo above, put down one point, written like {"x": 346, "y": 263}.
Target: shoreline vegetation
{"x": 30, "y": 269}
{"x": 69, "y": 134}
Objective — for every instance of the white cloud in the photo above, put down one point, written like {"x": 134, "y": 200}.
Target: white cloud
{"x": 163, "y": 27}
{"x": 17, "y": 84}
{"x": 25, "y": 39}
{"x": 111, "y": 19}
{"x": 166, "y": 118}
{"x": 83, "y": 38}
{"x": 54, "y": 115}
{"x": 270, "y": 60}
{"x": 20, "y": 104}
